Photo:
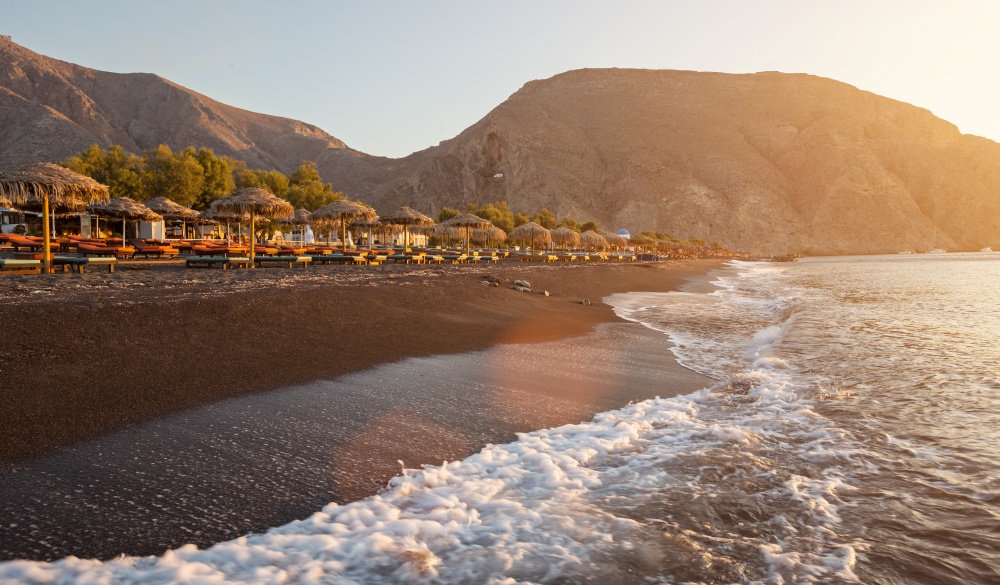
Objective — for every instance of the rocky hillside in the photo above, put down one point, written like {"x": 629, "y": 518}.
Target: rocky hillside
{"x": 50, "y": 110}
{"x": 768, "y": 162}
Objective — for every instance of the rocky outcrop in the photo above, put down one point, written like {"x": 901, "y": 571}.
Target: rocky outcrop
{"x": 769, "y": 162}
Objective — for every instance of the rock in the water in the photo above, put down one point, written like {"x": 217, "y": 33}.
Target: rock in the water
{"x": 523, "y": 283}
{"x": 585, "y": 303}
{"x": 522, "y": 289}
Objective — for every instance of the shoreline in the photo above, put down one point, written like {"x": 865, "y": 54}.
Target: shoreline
{"x": 87, "y": 354}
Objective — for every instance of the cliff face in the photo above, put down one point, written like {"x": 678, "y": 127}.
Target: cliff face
{"x": 50, "y": 110}
{"x": 767, "y": 162}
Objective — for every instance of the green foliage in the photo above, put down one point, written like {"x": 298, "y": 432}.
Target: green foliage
{"x": 218, "y": 177}
{"x": 307, "y": 190}
{"x": 120, "y": 171}
{"x": 570, "y": 223}
{"x": 546, "y": 219}
{"x": 178, "y": 177}
{"x": 521, "y": 219}
{"x": 498, "y": 213}
{"x": 590, "y": 226}
{"x": 273, "y": 181}
{"x": 448, "y": 213}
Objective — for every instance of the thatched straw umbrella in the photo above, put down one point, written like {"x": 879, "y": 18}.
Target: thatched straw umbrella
{"x": 217, "y": 217}
{"x": 406, "y": 216}
{"x": 593, "y": 240}
{"x": 616, "y": 241}
{"x": 343, "y": 211}
{"x": 530, "y": 232}
{"x": 172, "y": 210}
{"x": 61, "y": 209}
{"x": 490, "y": 233}
{"x": 642, "y": 242}
{"x": 446, "y": 231}
{"x": 51, "y": 184}
{"x": 4, "y": 202}
{"x": 300, "y": 219}
{"x": 564, "y": 236}
{"x": 469, "y": 222}
{"x": 255, "y": 202}
{"x": 126, "y": 209}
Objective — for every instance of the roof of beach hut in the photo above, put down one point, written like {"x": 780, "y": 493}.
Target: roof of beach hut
{"x": 59, "y": 184}
{"x": 531, "y": 233}
{"x": 171, "y": 209}
{"x": 565, "y": 236}
{"x": 124, "y": 208}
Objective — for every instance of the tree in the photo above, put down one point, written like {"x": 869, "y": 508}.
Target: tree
{"x": 521, "y": 219}
{"x": 447, "y": 213}
{"x": 498, "y": 213}
{"x": 307, "y": 190}
{"x": 178, "y": 177}
{"x": 546, "y": 219}
{"x": 273, "y": 181}
{"x": 590, "y": 226}
{"x": 218, "y": 177}
{"x": 570, "y": 223}
{"x": 120, "y": 171}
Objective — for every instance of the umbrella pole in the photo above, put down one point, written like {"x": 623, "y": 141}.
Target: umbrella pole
{"x": 47, "y": 256}
{"x": 467, "y": 240}
{"x": 253, "y": 239}
{"x": 343, "y": 233}
{"x": 123, "y": 230}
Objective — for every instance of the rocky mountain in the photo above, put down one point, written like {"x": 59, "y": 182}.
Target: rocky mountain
{"x": 50, "y": 110}
{"x": 766, "y": 162}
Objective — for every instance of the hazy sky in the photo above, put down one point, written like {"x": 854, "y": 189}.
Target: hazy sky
{"x": 390, "y": 78}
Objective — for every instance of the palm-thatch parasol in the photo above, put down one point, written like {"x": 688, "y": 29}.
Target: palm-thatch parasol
{"x": 406, "y": 216}
{"x": 4, "y": 202}
{"x": 300, "y": 219}
{"x": 63, "y": 208}
{"x": 342, "y": 211}
{"x": 469, "y": 222}
{"x": 126, "y": 209}
{"x": 593, "y": 240}
{"x": 173, "y": 211}
{"x": 642, "y": 241}
{"x": 490, "y": 233}
{"x": 255, "y": 202}
{"x": 215, "y": 216}
{"x": 615, "y": 240}
{"x": 564, "y": 236}
{"x": 52, "y": 184}
{"x": 530, "y": 232}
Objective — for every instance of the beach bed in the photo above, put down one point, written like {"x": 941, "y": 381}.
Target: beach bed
{"x": 339, "y": 259}
{"x": 213, "y": 261}
{"x": 21, "y": 266}
{"x": 78, "y": 264}
{"x": 289, "y": 261}
{"x": 537, "y": 257}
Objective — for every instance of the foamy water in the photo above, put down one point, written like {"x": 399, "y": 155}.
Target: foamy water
{"x": 851, "y": 437}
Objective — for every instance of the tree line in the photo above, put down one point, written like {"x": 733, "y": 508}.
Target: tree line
{"x": 196, "y": 178}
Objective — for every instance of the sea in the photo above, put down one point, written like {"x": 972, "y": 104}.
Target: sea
{"x": 848, "y": 432}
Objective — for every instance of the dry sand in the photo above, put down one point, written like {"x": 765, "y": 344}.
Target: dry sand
{"x": 94, "y": 353}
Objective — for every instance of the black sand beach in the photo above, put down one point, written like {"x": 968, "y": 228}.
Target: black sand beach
{"x": 120, "y": 352}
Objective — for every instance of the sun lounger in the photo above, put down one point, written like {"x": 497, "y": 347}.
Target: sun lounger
{"x": 223, "y": 262}
{"x": 537, "y": 257}
{"x": 77, "y": 264}
{"x": 339, "y": 259}
{"x": 22, "y": 243}
{"x": 454, "y": 258}
{"x": 114, "y": 251}
{"x": 290, "y": 261}
{"x": 21, "y": 266}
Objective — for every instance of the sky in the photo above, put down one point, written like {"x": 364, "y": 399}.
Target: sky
{"x": 393, "y": 77}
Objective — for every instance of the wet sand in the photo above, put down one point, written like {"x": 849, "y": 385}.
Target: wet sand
{"x": 233, "y": 405}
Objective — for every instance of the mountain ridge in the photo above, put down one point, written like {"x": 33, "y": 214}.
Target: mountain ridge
{"x": 768, "y": 162}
